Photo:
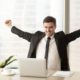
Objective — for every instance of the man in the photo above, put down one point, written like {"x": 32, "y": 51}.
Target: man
{"x": 57, "y": 58}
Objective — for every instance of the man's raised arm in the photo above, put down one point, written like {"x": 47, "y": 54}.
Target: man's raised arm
{"x": 20, "y": 33}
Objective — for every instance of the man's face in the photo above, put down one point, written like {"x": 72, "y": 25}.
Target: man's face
{"x": 49, "y": 28}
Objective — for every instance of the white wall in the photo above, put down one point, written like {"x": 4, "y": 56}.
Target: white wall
{"x": 74, "y": 51}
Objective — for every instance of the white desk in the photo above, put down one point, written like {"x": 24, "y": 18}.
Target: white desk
{"x": 17, "y": 77}
{"x": 76, "y": 76}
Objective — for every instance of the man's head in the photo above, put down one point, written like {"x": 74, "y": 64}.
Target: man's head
{"x": 49, "y": 24}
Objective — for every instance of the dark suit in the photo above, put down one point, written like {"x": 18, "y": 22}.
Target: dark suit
{"x": 61, "y": 39}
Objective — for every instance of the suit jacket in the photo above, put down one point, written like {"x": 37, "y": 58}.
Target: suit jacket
{"x": 61, "y": 40}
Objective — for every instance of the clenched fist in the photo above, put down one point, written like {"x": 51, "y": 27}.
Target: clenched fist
{"x": 8, "y": 23}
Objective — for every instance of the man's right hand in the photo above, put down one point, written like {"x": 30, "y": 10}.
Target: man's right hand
{"x": 8, "y": 23}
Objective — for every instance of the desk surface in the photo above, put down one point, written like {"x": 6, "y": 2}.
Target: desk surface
{"x": 76, "y": 76}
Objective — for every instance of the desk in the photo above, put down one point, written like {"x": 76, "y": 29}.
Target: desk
{"x": 17, "y": 77}
{"x": 76, "y": 76}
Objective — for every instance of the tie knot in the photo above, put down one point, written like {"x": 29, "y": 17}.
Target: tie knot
{"x": 48, "y": 38}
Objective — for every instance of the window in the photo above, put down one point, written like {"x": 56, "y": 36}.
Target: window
{"x": 27, "y": 15}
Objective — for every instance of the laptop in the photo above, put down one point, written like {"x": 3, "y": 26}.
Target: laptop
{"x": 32, "y": 67}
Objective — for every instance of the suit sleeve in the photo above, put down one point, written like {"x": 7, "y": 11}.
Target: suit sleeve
{"x": 72, "y": 36}
{"x": 20, "y": 33}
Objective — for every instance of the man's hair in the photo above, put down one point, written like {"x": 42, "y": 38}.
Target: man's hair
{"x": 50, "y": 19}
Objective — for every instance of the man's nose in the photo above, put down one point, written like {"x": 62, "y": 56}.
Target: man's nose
{"x": 48, "y": 30}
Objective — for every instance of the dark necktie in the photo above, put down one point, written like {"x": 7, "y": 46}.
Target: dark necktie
{"x": 47, "y": 50}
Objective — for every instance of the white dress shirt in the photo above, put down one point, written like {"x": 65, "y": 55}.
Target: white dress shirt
{"x": 53, "y": 57}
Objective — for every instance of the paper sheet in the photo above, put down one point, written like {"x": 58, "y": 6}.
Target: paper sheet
{"x": 63, "y": 73}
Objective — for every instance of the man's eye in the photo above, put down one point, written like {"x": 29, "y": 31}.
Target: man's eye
{"x": 45, "y": 27}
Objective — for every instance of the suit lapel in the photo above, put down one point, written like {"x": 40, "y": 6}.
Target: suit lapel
{"x": 56, "y": 36}
{"x": 35, "y": 42}
{"x": 58, "y": 39}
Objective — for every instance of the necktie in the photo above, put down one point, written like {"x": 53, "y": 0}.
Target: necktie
{"x": 47, "y": 50}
